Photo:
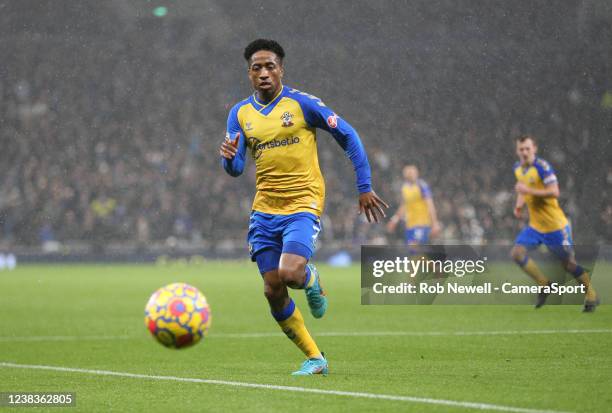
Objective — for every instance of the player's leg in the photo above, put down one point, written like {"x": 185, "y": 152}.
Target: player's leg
{"x": 298, "y": 274}
{"x": 582, "y": 277}
{"x": 560, "y": 243}
{"x": 412, "y": 236}
{"x": 293, "y": 269}
{"x": 434, "y": 253}
{"x": 424, "y": 235}
{"x": 265, "y": 246}
{"x": 527, "y": 239}
{"x": 530, "y": 238}
{"x": 291, "y": 272}
{"x": 299, "y": 242}
{"x": 417, "y": 239}
{"x": 284, "y": 310}
{"x": 414, "y": 240}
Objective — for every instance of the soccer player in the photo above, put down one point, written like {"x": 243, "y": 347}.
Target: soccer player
{"x": 417, "y": 209}
{"x": 538, "y": 189}
{"x": 277, "y": 126}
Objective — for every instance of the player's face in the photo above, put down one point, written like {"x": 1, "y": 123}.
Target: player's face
{"x": 526, "y": 151}
{"x": 411, "y": 173}
{"x": 265, "y": 73}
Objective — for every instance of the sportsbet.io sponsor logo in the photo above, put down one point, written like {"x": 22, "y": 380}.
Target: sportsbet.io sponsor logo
{"x": 257, "y": 147}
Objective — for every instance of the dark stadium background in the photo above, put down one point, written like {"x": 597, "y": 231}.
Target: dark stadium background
{"x": 111, "y": 114}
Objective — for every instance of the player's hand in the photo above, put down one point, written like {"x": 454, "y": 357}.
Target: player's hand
{"x": 392, "y": 224}
{"x": 435, "y": 229}
{"x": 229, "y": 147}
{"x": 522, "y": 189}
{"x": 518, "y": 212}
{"x": 372, "y": 205}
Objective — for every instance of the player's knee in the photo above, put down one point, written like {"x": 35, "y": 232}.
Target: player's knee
{"x": 291, "y": 274}
{"x": 569, "y": 265}
{"x": 269, "y": 292}
{"x": 518, "y": 254}
{"x": 273, "y": 291}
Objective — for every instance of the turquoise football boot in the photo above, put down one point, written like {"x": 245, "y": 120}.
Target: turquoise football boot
{"x": 313, "y": 366}
{"x": 317, "y": 301}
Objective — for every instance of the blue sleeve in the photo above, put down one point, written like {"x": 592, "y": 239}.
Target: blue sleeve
{"x": 235, "y": 166}
{"x": 320, "y": 116}
{"x": 546, "y": 171}
{"x": 425, "y": 190}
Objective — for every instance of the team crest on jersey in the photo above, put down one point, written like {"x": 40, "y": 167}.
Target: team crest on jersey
{"x": 332, "y": 121}
{"x": 287, "y": 118}
{"x": 248, "y": 126}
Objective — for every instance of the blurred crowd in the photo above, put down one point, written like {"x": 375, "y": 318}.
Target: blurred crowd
{"x": 113, "y": 137}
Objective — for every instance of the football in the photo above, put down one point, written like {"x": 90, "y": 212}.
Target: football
{"x": 178, "y": 315}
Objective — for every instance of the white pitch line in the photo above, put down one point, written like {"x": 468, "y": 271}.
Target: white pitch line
{"x": 9, "y": 339}
{"x": 417, "y": 333}
{"x": 410, "y": 399}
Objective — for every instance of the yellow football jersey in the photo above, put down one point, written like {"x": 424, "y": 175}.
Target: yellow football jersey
{"x": 415, "y": 205}
{"x": 281, "y": 138}
{"x": 545, "y": 214}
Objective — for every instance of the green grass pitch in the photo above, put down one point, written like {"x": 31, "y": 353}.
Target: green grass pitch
{"x": 91, "y": 317}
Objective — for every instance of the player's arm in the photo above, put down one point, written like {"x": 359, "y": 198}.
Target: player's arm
{"x": 518, "y": 206}
{"x": 233, "y": 148}
{"x": 548, "y": 177}
{"x": 549, "y": 191}
{"x": 433, "y": 215}
{"x": 431, "y": 208}
{"x": 320, "y": 116}
{"x": 396, "y": 218}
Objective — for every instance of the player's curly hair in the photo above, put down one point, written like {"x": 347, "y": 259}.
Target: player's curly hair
{"x": 264, "y": 44}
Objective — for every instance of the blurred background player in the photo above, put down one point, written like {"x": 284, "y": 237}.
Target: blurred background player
{"x": 416, "y": 209}
{"x": 277, "y": 125}
{"x": 538, "y": 189}
{"x": 418, "y": 212}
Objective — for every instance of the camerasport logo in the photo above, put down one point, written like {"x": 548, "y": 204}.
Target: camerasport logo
{"x": 332, "y": 120}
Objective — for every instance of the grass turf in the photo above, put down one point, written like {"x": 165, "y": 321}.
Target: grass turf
{"x": 561, "y": 372}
